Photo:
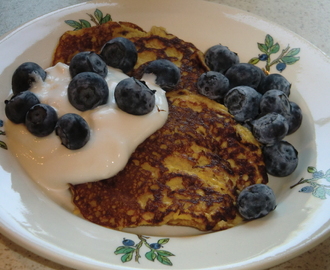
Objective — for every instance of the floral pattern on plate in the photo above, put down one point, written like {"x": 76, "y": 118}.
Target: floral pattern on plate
{"x": 98, "y": 18}
{"x": 155, "y": 252}
{"x": 318, "y": 190}
{"x": 288, "y": 56}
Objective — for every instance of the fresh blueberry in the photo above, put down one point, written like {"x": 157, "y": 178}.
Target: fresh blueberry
{"x": 256, "y": 201}
{"x": 26, "y": 75}
{"x": 19, "y": 104}
{"x": 244, "y": 74}
{"x": 294, "y": 117}
{"x": 120, "y": 53}
{"x": 72, "y": 130}
{"x": 275, "y": 81}
{"x": 41, "y": 120}
{"x": 281, "y": 158}
{"x": 280, "y": 66}
{"x": 213, "y": 85}
{"x": 167, "y": 74}
{"x": 155, "y": 246}
{"x": 128, "y": 242}
{"x": 275, "y": 101}
{"x": 219, "y": 58}
{"x": 87, "y": 90}
{"x": 88, "y": 61}
{"x": 263, "y": 57}
{"x": 134, "y": 96}
{"x": 270, "y": 128}
{"x": 262, "y": 75}
{"x": 243, "y": 103}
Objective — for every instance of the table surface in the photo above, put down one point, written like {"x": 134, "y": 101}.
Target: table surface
{"x": 309, "y": 19}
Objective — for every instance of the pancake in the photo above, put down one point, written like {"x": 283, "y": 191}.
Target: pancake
{"x": 189, "y": 172}
{"x": 92, "y": 39}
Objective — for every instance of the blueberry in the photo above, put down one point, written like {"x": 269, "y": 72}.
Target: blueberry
{"x": 134, "y": 96}
{"x": 243, "y": 103}
{"x": 263, "y": 57}
{"x": 167, "y": 74}
{"x": 88, "y": 61}
{"x": 213, "y": 85}
{"x": 281, "y": 158}
{"x": 26, "y": 75}
{"x": 244, "y": 74}
{"x": 280, "y": 66}
{"x": 275, "y": 101}
{"x": 87, "y": 90}
{"x": 128, "y": 242}
{"x": 294, "y": 117}
{"x": 155, "y": 246}
{"x": 120, "y": 53}
{"x": 270, "y": 128}
{"x": 219, "y": 58}
{"x": 256, "y": 201}
{"x": 19, "y": 104}
{"x": 41, "y": 120}
{"x": 275, "y": 81}
{"x": 262, "y": 75}
{"x": 72, "y": 130}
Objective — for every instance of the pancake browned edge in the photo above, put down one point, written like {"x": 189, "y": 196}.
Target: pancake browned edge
{"x": 189, "y": 172}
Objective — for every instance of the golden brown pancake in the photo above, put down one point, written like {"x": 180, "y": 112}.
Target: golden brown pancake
{"x": 189, "y": 172}
{"x": 92, "y": 39}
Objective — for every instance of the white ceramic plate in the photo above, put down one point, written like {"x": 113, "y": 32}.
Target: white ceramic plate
{"x": 44, "y": 223}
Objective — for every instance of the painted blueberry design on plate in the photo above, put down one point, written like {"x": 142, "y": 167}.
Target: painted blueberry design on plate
{"x": 287, "y": 57}
{"x": 98, "y": 18}
{"x": 3, "y": 145}
{"x": 318, "y": 190}
{"x": 155, "y": 250}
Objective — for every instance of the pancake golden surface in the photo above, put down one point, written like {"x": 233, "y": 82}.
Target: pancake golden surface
{"x": 190, "y": 171}
{"x": 92, "y": 39}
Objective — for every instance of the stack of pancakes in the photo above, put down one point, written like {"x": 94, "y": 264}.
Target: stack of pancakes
{"x": 189, "y": 172}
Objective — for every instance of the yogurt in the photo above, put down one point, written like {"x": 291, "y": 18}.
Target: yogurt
{"x": 115, "y": 134}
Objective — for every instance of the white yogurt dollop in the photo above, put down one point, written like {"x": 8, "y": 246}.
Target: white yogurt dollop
{"x": 114, "y": 135}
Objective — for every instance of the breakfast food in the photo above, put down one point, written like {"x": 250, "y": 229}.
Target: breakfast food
{"x": 256, "y": 201}
{"x": 204, "y": 166}
{"x": 190, "y": 171}
{"x": 106, "y": 139}
{"x": 73, "y": 42}
{"x": 187, "y": 173}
